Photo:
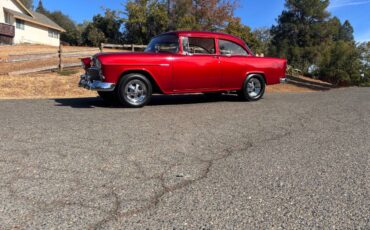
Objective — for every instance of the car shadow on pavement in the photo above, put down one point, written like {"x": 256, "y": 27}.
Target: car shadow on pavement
{"x": 157, "y": 100}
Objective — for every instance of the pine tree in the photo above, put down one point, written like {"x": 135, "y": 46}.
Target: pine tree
{"x": 40, "y": 8}
{"x": 302, "y": 32}
{"x": 346, "y": 32}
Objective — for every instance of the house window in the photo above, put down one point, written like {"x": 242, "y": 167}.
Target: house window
{"x": 53, "y": 33}
{"x": 7, "y": 18}
{"x": 19, "y": 24}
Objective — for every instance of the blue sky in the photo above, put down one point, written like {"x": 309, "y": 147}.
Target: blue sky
{"x": 254, "y": 13}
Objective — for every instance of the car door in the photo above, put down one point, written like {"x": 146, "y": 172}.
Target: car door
{"x": 198, "y": 67}
{"x": 233, "y": 59}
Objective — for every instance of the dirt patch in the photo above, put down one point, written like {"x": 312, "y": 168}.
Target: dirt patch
{"x": 288, "y": 88}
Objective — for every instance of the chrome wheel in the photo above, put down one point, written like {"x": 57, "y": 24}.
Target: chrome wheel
{"x": 254, "y": 87}
{"x": 135, "y": 92}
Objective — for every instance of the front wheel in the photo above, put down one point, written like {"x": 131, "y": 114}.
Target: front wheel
{"x": 253, "y": 88}
{"x": 135, "y": 90}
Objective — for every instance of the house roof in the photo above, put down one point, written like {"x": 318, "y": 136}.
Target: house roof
{"x": 23, "y": 7}
{"x": 36, "y": 18}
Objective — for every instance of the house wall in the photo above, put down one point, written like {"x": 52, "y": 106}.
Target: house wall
{"x": 10, "y": 4}
{"x": 34, "y": 34}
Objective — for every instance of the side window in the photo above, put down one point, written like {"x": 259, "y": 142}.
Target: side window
{"x": 198, "y": 45}
{"x": 19, "y": 24}
{"x": 53, "y": 33}
{"x": 231, "y": 48}
{"x": 7, "y": 18}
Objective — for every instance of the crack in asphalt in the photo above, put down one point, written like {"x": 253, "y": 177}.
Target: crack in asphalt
{"x": 152, "y": 202}
{"x": 156, "y": 199}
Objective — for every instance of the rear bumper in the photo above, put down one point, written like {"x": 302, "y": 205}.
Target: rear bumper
{"x": 283, "y": 80}
{"x": 95, "y": 85}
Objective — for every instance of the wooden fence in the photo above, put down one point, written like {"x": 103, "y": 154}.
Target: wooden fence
{"x": 61, "y": 56}
{"x": 124, "y": 46}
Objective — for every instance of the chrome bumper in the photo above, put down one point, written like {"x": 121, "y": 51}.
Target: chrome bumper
{"x": 95, "y": 85}
{"x": 283, "y": 80}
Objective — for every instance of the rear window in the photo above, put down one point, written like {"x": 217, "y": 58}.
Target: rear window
{"x": 231, "y": 48}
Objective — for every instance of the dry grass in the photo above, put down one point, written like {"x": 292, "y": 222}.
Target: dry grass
{"x": 48, "y": 85}
{"x": 54, "y": 85}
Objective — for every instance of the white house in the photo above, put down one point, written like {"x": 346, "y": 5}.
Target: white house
{"x": 21, "y": 25}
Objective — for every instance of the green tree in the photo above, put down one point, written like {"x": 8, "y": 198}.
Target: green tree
{"x": 211, "y": 15}
{"x": 263, "y": 36}
{"x": 302, "y": 32}
{"x": 182, "y": 17}
{"x": 145, "y": 19}
{"x": 341, "y": 64}
{"x": 346, "y": 32}
{"x": 236, "y": 28}
{"x": 72, "y": 34}
{"x": 93, "y": 36}
{"x": 28, "y": 4}
{"x": 364, "y": 50}
{"x": 40, "y": 9}
{"x": 109, "y": 24}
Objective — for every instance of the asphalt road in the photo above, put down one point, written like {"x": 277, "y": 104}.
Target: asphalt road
{"x": 185, "y": 162}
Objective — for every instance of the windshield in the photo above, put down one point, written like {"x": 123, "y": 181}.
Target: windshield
{"x": 163, "y": 44}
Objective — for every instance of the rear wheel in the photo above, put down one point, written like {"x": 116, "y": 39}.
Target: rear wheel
{"x": 135, "y": 90}
{"x": 253, "y": 88}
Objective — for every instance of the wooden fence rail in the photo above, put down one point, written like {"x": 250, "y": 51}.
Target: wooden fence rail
{"x": 123, "y": 46}
{"x": 61, "y": 55}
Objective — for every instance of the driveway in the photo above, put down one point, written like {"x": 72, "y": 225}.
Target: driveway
{"x": 186, "y": 162}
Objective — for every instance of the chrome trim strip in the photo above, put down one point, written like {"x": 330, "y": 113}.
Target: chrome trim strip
{"x": 95, "y": 85}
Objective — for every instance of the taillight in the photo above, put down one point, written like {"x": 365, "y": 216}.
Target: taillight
{"x": 86, "y": 62}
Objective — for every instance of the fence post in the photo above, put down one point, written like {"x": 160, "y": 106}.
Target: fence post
{"x": 132, "y": 48}
{"x": 60, "y": 52}
{"x": 101, "y": 47}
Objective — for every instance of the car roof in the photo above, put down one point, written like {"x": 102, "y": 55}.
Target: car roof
{"x": 205, "y": 34}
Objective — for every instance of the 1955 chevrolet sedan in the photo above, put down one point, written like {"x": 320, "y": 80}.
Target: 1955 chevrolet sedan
{"x": 182, "y": 62}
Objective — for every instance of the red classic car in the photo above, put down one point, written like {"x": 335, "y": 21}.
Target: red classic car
{"x": 182, "y": 62}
